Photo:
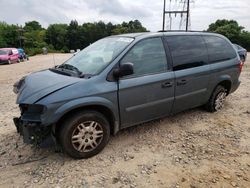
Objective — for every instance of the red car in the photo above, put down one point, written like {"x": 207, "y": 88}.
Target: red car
{"x": 9, "y": 55}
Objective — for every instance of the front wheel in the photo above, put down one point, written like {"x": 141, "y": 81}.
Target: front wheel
{"x": 84, "y": 134}
{"x": 217, "y": 100}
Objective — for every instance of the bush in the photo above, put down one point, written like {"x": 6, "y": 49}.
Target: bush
{"x": 33, "y": 51}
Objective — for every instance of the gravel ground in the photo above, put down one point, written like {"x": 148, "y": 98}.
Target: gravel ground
{"x": 191, "y": 149}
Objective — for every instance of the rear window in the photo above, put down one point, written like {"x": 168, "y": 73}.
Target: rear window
{"x": 187, "y": 51}
{"x": 219, "y": 49}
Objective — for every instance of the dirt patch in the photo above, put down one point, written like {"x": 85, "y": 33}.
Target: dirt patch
{"x": 191, "y": 149}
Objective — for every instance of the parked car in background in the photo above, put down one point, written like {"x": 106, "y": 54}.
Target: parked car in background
{"x": 22, "y": 54}
{"x": 121, "y": 81}
{"x": 9, "y": 55}
{"x": 241, "y": 51}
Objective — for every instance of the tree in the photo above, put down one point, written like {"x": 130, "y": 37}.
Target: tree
{"x": 8, "y": 35}
{"x": 56, "y": 35}
{"x": 32, "y": 26}
{"x": 130, "y": 27}
{"x": 244, "y": 40}
{"x": 61, "y": 37}
{"x": 228, "y": 28}
{"x": 73, "y": 33}
{"x": 232, "y": 30}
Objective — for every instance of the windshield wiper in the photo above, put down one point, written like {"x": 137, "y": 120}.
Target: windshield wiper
{"x": 70, "y": 67}
{"x": 59, "y": 71}
{"x": 70, "y": 70}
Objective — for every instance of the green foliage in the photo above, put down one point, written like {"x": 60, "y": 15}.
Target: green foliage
{"x": 232, "y": 30}
{"x": 56, "y": 35}
{"x": 130, "y": 27}
{"x": 32, "y": 26}
{"x": 8, "y": 35}
{"x": 61, "y": 37}
{"x": 244, "y": 40}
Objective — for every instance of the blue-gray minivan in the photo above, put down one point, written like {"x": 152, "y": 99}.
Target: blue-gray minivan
{"x": 121, "y": 81}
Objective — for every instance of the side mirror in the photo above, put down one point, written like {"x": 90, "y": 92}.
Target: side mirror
{"x": 124, "y": 70}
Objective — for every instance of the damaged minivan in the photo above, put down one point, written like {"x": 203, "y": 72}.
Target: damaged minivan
{"x": 121, "y": 81}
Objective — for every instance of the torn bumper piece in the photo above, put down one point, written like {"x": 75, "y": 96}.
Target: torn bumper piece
{"x": 32, "y": 132}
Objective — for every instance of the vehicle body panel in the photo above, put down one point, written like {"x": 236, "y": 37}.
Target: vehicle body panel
{"x": 12, "y": 55}
{"x": 145, "y": 98}
{"x": 132, "y": 100}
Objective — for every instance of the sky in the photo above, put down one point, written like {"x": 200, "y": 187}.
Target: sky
{"x": 149, "y": 12}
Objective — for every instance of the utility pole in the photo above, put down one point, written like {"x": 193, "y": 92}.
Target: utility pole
{"x": 176, "y": 12}
{"x": 164, "y": 14}
{"x": 187, "y": 19}
{"x": 20, "y": 31}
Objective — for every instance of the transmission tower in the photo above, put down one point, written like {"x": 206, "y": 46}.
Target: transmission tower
{"x": 184, "y": 12}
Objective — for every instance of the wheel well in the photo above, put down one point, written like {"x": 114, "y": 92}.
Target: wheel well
{"x": 226, "y": 84}
{"x": 101, "y": 109}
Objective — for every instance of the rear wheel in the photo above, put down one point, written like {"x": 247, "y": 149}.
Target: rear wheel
{"x": 217, "y": 100}
{"x": 84, "y": 134}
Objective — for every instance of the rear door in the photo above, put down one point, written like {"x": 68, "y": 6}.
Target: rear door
{"x": 149, "y": 92}
{"x": 191, "y": 69}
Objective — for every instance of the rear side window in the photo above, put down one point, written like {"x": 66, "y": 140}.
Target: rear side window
{"x": 187, "y": 51}
{"x": 219, "y": 49}
{"x": 148, "y": 57}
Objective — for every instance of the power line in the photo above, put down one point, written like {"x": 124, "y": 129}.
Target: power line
{"x": 185, "y": 11}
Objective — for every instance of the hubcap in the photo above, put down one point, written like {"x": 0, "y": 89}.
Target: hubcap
{"x": 87, "y": 136}
{"x": 220, "y": 99}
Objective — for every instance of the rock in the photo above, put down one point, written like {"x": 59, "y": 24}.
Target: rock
{"x": 226, "y": 176}
{"x": 35, "y": 181}
{"x": 233, "y": 184}
{"x": 3, "y": 152}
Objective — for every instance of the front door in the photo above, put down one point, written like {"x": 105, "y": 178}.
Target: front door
{"x": 149, "y": 92}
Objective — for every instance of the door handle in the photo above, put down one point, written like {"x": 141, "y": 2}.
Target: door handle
{"x": 181, "y": 82}
{"x": 167, "y": 84}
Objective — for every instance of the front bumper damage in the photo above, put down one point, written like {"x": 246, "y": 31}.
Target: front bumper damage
{"x": 32, "y": 132}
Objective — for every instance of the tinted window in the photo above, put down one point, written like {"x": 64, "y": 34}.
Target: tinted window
{"x": 148, "y": 56}
{"x": 187, "y": 51}
{"x": 219, "y": 49}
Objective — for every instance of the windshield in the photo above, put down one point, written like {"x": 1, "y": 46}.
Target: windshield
{"x": 94, "y": 58}
{"x": 3, "y": 52}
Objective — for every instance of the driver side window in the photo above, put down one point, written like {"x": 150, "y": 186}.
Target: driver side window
{"x": 148, "y": 57}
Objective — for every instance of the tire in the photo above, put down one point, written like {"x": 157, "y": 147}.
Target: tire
{"x": 217, "y": 99}
{"x": 78, "y": 137}
{"x": 9, "y": 61}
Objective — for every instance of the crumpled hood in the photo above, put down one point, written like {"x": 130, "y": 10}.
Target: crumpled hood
{"x": 40, "y": 84}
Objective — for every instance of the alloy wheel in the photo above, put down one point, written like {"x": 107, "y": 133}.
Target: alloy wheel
{"x": 87, "y": 136}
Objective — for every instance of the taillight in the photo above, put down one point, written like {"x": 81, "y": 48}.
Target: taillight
{"x": 241, "y": 65}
